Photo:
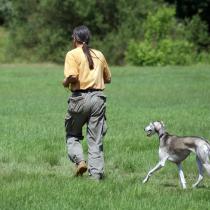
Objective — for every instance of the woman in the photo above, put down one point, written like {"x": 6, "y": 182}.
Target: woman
{"x": 86, "y": 71}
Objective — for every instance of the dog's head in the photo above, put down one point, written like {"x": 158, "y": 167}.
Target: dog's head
{"x": 154, "y": 127}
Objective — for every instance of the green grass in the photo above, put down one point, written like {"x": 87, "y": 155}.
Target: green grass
{"x": 35, "y": 172}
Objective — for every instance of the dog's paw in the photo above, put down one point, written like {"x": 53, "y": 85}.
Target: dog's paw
{"x": 194, "y": 185}
{"x": 145, "y": 180}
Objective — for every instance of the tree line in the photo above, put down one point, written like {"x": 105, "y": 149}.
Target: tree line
{"x": 40, "y": 30}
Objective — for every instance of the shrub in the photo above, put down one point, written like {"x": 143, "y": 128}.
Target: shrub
{"x": 167, "y": 52}
{"x": 175, "y": 52}
{"x": 163, "y": 43}
{"x": 203, "y": 57}
{"x": 142, "y": 54}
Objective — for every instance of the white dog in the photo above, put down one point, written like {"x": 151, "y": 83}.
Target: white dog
{"x": 176, "y": 149}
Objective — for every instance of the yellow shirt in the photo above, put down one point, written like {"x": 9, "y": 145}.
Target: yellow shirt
{"x": 76, "y": 64}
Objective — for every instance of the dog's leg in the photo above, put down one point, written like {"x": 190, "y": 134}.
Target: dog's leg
{"x": 200, "y": 170}
{"x": 181, "y": 176}
{"x": 160, "y": 164}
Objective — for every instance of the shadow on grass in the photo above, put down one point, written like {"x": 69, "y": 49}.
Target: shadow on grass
{"x": 202, "y": 187}
{"x": 170, "y": 185}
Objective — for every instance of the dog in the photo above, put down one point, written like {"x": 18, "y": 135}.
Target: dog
{"x": 176, "y": 149}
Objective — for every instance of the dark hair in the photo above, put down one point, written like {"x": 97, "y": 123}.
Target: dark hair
{"x": 82, "y": 35}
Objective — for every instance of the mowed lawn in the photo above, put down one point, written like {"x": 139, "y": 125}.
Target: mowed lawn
{"x": 35, "y": 172}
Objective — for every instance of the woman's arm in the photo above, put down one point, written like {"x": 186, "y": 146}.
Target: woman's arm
{"x": 107, "y": 81}
{"x": 68, "y": 80}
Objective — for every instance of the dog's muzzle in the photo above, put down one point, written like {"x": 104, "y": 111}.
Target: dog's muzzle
{"x": 149, "y": 130}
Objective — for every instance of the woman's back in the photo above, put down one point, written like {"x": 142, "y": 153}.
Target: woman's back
{"x": 76, "y": 64}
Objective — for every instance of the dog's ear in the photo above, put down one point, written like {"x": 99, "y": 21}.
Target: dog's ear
{"x": 162, "y": 123}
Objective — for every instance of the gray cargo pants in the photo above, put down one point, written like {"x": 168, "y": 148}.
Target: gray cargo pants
{"x": 86, "y": 108}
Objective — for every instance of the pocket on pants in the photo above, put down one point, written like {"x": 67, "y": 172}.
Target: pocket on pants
{"x": 102, "y": 96}
{"x": 76, "y": 104}
{"x": 68, "y": 124}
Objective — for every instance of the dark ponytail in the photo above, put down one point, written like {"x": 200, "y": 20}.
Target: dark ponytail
{"x": 86, "y": 50}
{"x": 82, "y": 35}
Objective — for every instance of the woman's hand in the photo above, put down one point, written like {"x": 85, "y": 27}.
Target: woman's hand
{"x": 68, "y": 80}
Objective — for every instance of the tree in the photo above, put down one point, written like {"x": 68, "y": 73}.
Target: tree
{"x": 5, "y": 11}
{"x": 189, "y": 8}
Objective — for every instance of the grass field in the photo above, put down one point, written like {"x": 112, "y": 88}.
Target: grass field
{"x": 35, "y": 172}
